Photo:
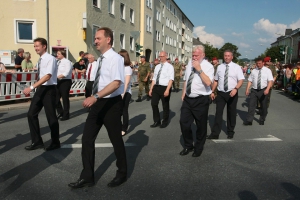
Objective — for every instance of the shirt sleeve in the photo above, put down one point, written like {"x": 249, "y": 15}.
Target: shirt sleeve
{"x": 240, "y": 75}
{"x": 210, "y": 73}
{"x": 270, "y": 76}
{"x": 250, "y": 79}
{"x": 171, "y": 74}
{"x": 117, "y": 69}
{"x": 51, "y": 66}
{"x": 67, "y": 68}
{"x": 128, "y": 71}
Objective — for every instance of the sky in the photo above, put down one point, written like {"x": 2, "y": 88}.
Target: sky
{"x": 250, "y": 25}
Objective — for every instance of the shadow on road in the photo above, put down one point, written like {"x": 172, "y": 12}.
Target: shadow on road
{"x": 32, "y": 168}
{"x": 12, "y": 118}
{"x": 292, "y": 189}
{"x": 247, "y": 195}
{"x": 135, "y": 121}
{"x": 140, "y": 139}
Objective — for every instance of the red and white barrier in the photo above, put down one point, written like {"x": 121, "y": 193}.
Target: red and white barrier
{"x": 12, "y": 85}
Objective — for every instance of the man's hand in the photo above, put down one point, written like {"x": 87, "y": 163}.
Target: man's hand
{"x": 266, "y": 92}
{"x": 247, "y": 92}
{"x": 150, "y": 93}
{"x": 27, "y": 91}
{"x": 88, "y": 102}
{"x": 182, "y": 96}
{"x": 212, "y": 96}
{"x": 233, "y": 92}
{"x": 166, "y": 93}
{"x": 145, "y": 80}
{"x": 196, "y": 65}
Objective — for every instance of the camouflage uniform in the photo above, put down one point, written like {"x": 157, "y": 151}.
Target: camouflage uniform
{"x": 143, "y": 71}
{"x": 177, "y": 70}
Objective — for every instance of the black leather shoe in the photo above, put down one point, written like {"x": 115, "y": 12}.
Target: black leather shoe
{"x": 261, "y": 123}
{"x": 163, "y": 125}
{"x": 80, "y": 184}
{"x": 246, "y": 123}
{"x": 64, "y": 118}
{"x": 229, "y": 136}
{"x": 186, "y": 151}
{"x": 35, "y": 146}
{"x": 59, "y": 115}
{"x": 53, "y": 146}
{"x": 156, "y": 124}
{"x": 117, "y": 181}
{"x": 211, "y": 136}
{"x": 196, "y": 154}
{"x": 139, "y": 99}
{"x": 148, "y": 98}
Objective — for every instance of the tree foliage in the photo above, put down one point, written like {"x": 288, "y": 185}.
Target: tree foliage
{"x": 233, "y": 48}
{"x": 211, "y": 51}
{"x": 274, "y": 53}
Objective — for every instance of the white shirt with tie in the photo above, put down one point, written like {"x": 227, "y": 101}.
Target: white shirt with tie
{"x": 235, "y": 74}
{"x": 91, "y": 66}
{"x": 198, "y": 87}
{"x": 266, "y": 76}
{"x": 166, "y": 74}
{"x": 65, "y": 68}
{"x": 48, "y": 66}
{"x": 112, "y": 69}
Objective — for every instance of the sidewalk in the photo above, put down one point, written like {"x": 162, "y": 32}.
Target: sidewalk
{"x": 19, "y": 104}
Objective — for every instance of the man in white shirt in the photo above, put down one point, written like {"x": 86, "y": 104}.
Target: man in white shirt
{"x": 261, "y": 80}
{"x": 106, "y": 109}
{"x": 90, "y": 75}
{"x": 229, "y": 78}
{"x": 45, "y": 96}
{"x": 161, "y": 90}
{"x": 196, "y": 96}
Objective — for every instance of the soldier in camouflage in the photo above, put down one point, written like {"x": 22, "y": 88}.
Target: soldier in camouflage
{"x": 144, "y": 71}
{"x": 177, "y": 72}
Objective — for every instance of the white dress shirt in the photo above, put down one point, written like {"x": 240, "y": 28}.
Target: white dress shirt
{"x": 65, "y": 68}
{"x": 198, "y": 87}
{"x": 112, "y": 69}
{"x": 234, "y": 75}
{"x": 266, "y": 76}
{"x": 48, "y": 66}
{"x": 93, "y": 72}
{"x": 128, "y": 72}
{"x": 166, "y": 74}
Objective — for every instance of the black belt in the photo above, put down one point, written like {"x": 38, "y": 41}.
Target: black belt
{"x": 194, "y": 97}
{"x": 259, "y": 89}
{"x": 160, "y": 85}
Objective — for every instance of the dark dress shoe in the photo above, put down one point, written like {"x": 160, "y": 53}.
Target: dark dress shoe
{"x": 186, "y": 151}
{"x": 163, "y": 125}
{"x": 156, "y": 124}
{"x": 59, "y": 115}
{"x": 80, "y": 184}
{"x": 139, "y": 99}
{"x": 117, "y": 181}
{"x": 64, "y": 118}
{"x": 53, "y": 146}
{"x": 229, "y": 136}
{"x": 261, "y": 123}
{"x": 246, "y": 123}
{"x": 197, "y": 153}
{"x": 211, "y": 136}
{"x": 35, "y": 146}
{"x": 148, "y": 98}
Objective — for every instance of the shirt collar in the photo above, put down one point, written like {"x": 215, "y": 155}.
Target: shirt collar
{"x": 107, "y": 53}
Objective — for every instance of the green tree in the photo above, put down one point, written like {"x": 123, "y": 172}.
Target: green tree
{"x": 211, "y": 51}
{"x": 231, "y": 47}
{"x": 274, "y": 53}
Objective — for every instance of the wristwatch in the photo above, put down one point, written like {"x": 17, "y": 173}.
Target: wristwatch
{"x": 96, "y": 96}
{"x": 31, "y": 87}
{"x": 200, "y": 71}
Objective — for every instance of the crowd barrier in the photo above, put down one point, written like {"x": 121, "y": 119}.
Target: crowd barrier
{"x": 12, "y": 85}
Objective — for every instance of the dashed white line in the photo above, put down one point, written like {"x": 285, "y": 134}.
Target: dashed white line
{"x": 97, "y": 145}
{"x": 270, "y": 138}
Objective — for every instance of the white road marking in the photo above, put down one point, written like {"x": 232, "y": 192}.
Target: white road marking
{"x": 270, "y": 138}
{"x": 97, "y": 145}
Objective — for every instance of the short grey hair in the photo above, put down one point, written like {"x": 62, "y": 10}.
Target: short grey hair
{"x": 228, "y": 50}
{"x": 199, "y": 47}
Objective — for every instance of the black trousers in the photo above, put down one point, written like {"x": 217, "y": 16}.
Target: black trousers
{"x": 126, "y": 100}
{"x": 222, "y": 99}
{"x": 45, "y": 96}
{"x": 258, "y": 95}
{"x": 63, "y": 90}
{"x": 194, "y": 109}
{"x": 89, "y": 88}
{"x": 158, "y": 94}
{"x": 107, "y": 112}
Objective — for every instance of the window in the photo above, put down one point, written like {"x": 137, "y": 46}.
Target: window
{"x": 131, "y": 16}
{"x": 122, "y": 10}
{"x": 113, "y": 45}
{"x": 148, "y": 24}
{"x": 95, "y": 28}
{"x": 97, "y": 3}
{"x": 163, "y": 30}
{"x": 122, "y": 41}
{"x": 158, "y": 18}
{"x": 157, "y": 35}
{"x": 149, "y": 3}
{"x": 131, "y": 42}
{"x": 25, "y": 31}
{"x": 111, "y": 6}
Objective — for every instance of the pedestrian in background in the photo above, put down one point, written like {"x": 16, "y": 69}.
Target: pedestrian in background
{"x": 161, "y": 90}
{"x": 228, "y": 79}
{"x": 64, "y": 83}
{"x": 143, "y": 76}
{"x": 18, "y": 60}
{"x": 26, "y": 63}
{"x": 90, "y": 75}
{"x": 126, "y": 96}
{"x": 44, "y": 96}
{"x": 195, "y": 96}
{"x": 178, "y": 72}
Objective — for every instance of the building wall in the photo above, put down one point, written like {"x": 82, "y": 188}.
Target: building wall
{"x": 61, "y": 21}
{"x": 101, "y": 17}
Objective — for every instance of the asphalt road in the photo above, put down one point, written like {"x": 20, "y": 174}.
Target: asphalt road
{"x": 261, "y": 162}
